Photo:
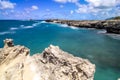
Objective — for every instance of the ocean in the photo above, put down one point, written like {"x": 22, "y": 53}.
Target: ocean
{"x": 101, "y": 49}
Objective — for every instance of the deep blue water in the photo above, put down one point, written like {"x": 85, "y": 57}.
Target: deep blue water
{"x": 100, "y": 49}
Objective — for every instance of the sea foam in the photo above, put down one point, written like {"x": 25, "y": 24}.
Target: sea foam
{"x": 25, "y": 27}
{"x": 66, "y": 26}
{"x": 7, "y": 32}
{"x": 114, "y": 36}
{"x": 36, "y": 24}
{"x": 13, "y": 28}
{"x": 43, "y": 22}
{"x": 31, "y": 26}
{"x": 102, "y": 32}
{"x": 73, "y": 27}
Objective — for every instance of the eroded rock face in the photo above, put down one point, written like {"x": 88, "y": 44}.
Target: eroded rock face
{"x": 51, "y": 64}
{"x": 8, "y": 43}
{"x": 111, "y": 26}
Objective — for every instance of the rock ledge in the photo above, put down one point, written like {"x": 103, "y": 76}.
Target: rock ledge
{"x": 51, "y": 64}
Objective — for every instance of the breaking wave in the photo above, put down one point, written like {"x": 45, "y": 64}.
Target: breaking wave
{"x": 66, "y": 26}
{"x": 102, "y": 32}
{"x": 43, "y": 22}
{"x": 114, "y": 36}
{"x": 25, "y": 27}
{"x": 7, "y": 32}
{"x": 13, "y": 28}
{"x": 72, "y": 27}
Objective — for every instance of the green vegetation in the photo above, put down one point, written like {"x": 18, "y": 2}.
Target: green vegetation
{"x": 116, "y": 18}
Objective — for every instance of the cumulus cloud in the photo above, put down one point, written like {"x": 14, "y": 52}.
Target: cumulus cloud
{"x": 27, "y": 12}
{"x": 95, "y": 6}
{"x": 6, "y": 4}
{"x": 99, "y": 8}
{"x": 101, "y": 3}
{"x": 83, "y": 9}
{"x": 61, "y": 1}
{"x": 65, "y": 1}
{"x": 34, "y": 7}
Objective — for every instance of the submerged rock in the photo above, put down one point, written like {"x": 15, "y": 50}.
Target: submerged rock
{"x": 51, "y": 64}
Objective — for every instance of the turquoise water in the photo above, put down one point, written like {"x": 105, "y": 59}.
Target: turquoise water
{"x": 100, "y": 49}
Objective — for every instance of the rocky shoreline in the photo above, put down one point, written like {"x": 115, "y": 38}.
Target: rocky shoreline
{"x": 111, "y": 26}
{"x": 52, "y": 64}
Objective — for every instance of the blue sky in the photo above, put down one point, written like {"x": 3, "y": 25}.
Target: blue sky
{"x": 59, "y": 9}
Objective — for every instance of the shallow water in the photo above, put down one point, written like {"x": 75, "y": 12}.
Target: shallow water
{"x": 101, "y": 49}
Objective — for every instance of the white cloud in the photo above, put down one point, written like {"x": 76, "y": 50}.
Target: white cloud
{"x": 96, "y": 6}
{"x": 118, "y": 1}
{"x": 71, "y": 12}
{"x": 61, "y": 1}
{"x": 6, "y": 5}
{"x": 82, "y": 9}
{"x": 65, "y": 1}
{"x": 34, "y": 7}
{"x": 99, "y": 8}
{"x": 102, "y": 3}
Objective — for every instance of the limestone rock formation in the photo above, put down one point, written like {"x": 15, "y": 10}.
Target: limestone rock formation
{"x": 51, "y": 64}
{"x": 111, "y": 26}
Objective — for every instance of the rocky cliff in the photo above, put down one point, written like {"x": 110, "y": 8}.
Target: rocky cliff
{"x": 52, "y": 64}
{"x": 111, "y": 26}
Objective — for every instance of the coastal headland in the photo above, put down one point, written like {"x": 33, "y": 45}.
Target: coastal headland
{"x": 16, "y": 63}
{"x": 111, "y": 26}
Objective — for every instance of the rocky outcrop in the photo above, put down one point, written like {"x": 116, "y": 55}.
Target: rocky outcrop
{"x": 111, "y": 26}
{"x": 12, "y": 60}
{"x": 51, "y": 64}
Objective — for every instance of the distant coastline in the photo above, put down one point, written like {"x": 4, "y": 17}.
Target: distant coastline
{"x": 111, "y": 26}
